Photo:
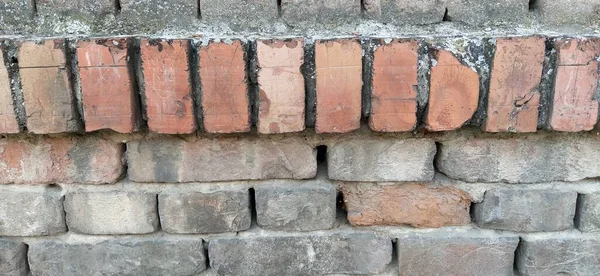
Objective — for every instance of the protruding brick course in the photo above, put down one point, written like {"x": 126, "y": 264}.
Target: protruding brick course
{"x": 8, "y": 118}
{"x": 35, "y": 213}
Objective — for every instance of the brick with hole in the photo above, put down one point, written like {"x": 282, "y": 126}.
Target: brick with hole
{"x": 31, "y": 213}
{"x": 225, "y": 100}
{"x": 281, "y": 86}
{"x": 13, "y": 258}
{"x": 49, "y": 100}
{"x": 107, "y": 93}
{"x": 8, "y": 117}
{"x": 167, "y": 92}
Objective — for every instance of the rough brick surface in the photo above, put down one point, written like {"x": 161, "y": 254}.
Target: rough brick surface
{"x": 167, "y": 89}
{"x": 405, "y": 11}
{"x": 107, "y": 96}
{"x": 415, "y": 204}
{"x": 381, "y": 159}
{"x": 239, "y": 15}
{"x": 566, "y": 12}
{"x": 42, "y": 160}
{"x": 111, "y": 213}
{"x": 13, "y": 258}
{"x": 74, "y": 7}
{"x": 8, "y": 118}
{"x": 196, "y": 212}
{"x": 519, "y": 160}
{"x": 478, "y": 12}
{"x": 296, "y": 205}
{"x": 149, "y": 16}
{"x": 15, "y": 15}
{"x": 281, "y": 85}
{"x": 49, "y": 99}
{"x": 31, "y": 213}
{"x": 588, "y": 217}
{"x": 514, "y": 96}
{"x": 442, "y": 252}
{"x": 338, "y": 65}
{"x": 119, "y": 256}
{"x": 393, "y": 99}
{"x": 329, "y": 13}
{"x": 344, "y": 253}
{"x": 224, "y": 90}
{"x": 575, "y": 107}
{"x": 526, "y": 210}
{"x": 453, "y": 95}
{"x": 175, "y": 160}
{"x": 558, "y": 253}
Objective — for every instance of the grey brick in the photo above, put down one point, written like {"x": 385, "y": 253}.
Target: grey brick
{"x": 588, "y": 216}
{"x": 296, "y": 205}
{"x": 31, "y": 213}
{"x": 456, "y": 252}
{"x": 239, "y": 14}
{"x": 331, "y": 12}
{"x": 344, "y": 253}
{"x": 197, "y": 212}
{"x": 565, "y": 12}
{"x": 15, "y": 15}
{"x": 526, "y": 210}
{"x": 520, "y": 160}
{"x": 121, "y": 256}
{"x": 381, "y": 159}
{"x": 558, "y": 254}
{"x": 484, "y": 12}
{"x": 405, "y": 11}
{"x": 111, "y": 213}
{"x": 13, "y": 258}
{"x": 75, "y": 7}
{"x": 151, "y": 16}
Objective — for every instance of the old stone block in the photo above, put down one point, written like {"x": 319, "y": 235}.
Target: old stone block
{"x": 8, "y": 118}
{"x": 568, "y": 12}
{"x": 31, "y": 213}
{"x": 241, "y": 15}
{"x": 488, "y": 12}
{"x": 78, "y": 9}
{"x": 330, "y": 13}
{"x": 15, "y": 15}
{"x": 13, "y": 258}
{"x": 588, "y": 216}
{"x": 405, "y": 11}
{"x": 151, "y": 16}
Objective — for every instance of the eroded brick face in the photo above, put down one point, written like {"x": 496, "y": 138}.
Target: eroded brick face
{"x": 339, "y": 80}
{"x": 224, "y": 89}
{"x": 8, "y": 119}
{"x": 106, "y": 86}
{"x": 514, "y": 95}
{"x": 168, "y": 93}
{"x": 281, "y": 95}
{"x": 453, "y": 95}
{"x": 393, "y": 99}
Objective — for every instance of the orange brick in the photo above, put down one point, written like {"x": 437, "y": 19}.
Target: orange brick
{"x": 281, "y": 96}
{"x": 453, "y": 95}
{"x": 49, "y": 100}
{"x": 514, "y": 96}
{"x": 168, "y": 92}
{"x": 224, "y": 90}
{"x": 574, "y": 107}
{"x": 339, "y": 82}
{"x": 107, "y": 93}
{"x": 393, "y": 99}
{"x": 8, "y": 118}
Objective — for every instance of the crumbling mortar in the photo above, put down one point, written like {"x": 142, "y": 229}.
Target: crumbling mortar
{"x": 195, "y": 82}
{"x": 252, "y": 69}
{"x": 308, "y": 71}
{"x": 423, "y": 81}
{"x": 72, "y": 69}
{"x": 138, "y": 69}
{"x": 11, "y": 61}
{"x": 368, "y": 48}
{"x": 546, "y": 88}
{"x": 483, "y": 54}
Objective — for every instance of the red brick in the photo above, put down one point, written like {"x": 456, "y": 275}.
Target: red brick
{"x": 514, "y": 95}
{"x": 339, "y": 82}
{"x": 393, "y": 99}
{"x": 224, "y": 90}
{"x": 43, "y": 160}
{"x": 574, "y": 107}
{"x": 414, "y": 204}
{"x": 106, "y": 86}
{"x": 281, "y": 96}
{"x": 47, "y": 93}
{"x": 168, "y": 92}
{"x": 8, "y": 118}
{"x": 453, "y": 95}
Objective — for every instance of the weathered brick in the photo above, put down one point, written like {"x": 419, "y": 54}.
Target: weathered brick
{"x": 520, "y": 160}
{"x": 332, "y": 12}
{"x": 405, "y": 11}
{"x": 239, "y": 15}
{"x": 111, "y": 213}
{"x": 393, "y": 99}
{"x": 8, "y": 118}
{"x": 296, "y": 205}
{"x": 339, "y": 82}
{"x": 49, "y": 100}
{"x": 167, "y": 88}
{"x": 24, "y": 213}
{"x": 514, "y": 96}
{"x": 344, "y": 253}
{"x": 281, "y": 95}
{"x": 381, "y": 159}
{"x": 568, "y": 12}
{"x": 196, "y": 212}
{"x": 575, "y": 107}
{"x": 152, "y": 16}
{"x": 569, "y": 253}
{"x": 15, "y": 15}
{"x": 453, "y": 95}
{"x": 13, "y": 258}
{"x": 43, "y": 160}
{"x": 74, "y": 8}
{"x": 106, "y": 86}
{"x": 588, "y": 216}
{"x": 175, "y": 160}
{"x": 443, "y": 252}
{"x": 224, "y": 90}
{"x": 414, "y": 204}
{"x": 119, "y": 256}
{"x": 522, "y": 210}
{"x": 478, "y": 12}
